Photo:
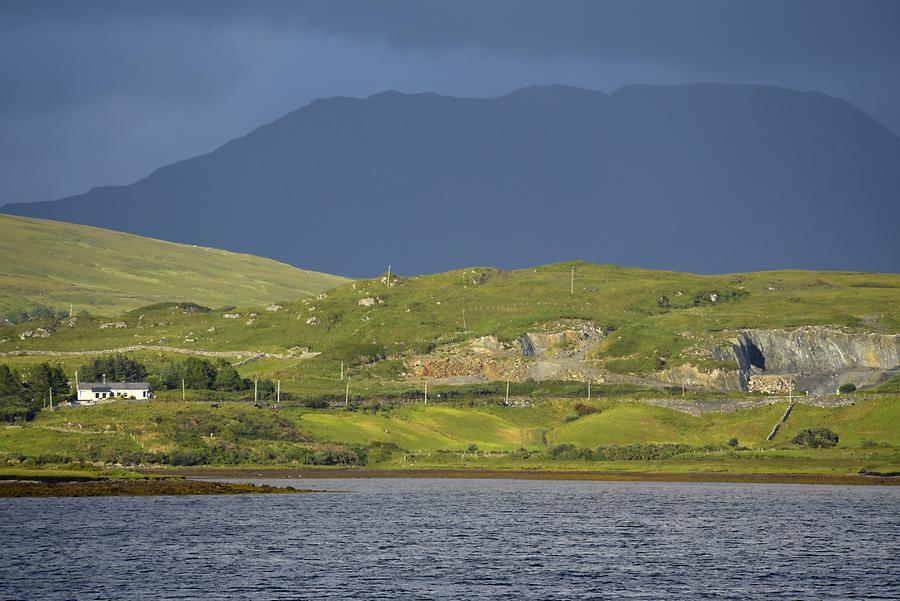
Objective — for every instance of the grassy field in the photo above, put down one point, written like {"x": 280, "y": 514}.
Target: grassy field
{"x": 106, "y": 272}
{"x": 415, "y": 314}
{"x": 466, "y": 435}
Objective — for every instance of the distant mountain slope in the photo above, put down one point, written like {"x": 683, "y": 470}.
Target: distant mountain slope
{"x": 705, "y": 177}
{"x": 106, "y": 272}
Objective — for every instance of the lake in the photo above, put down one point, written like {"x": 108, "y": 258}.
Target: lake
{"x": 460, "y": 539}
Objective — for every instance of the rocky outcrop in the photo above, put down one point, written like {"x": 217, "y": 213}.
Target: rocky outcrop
{"x": 468, "y": 365}
{"x": 691, "y": 377}
{"x": 816, "y": 349}
{"x": 558, "y": 354}
{"x": 35, "y": 333}
{"x": 486, "y": 345}
{"x": 770, "y": 383}
{"x": 536, "y": 344}
{"x": 822, "y": 358}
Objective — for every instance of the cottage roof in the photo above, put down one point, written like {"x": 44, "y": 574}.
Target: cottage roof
{"x": 108, "y": 386}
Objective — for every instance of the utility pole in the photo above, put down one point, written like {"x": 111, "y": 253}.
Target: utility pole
{"x": 465, "y": 327}
{"x": 572, "y": 285}
{"x": 70, "y": 310}
{"x": 589, "y": 389}
{"x": 182, "y": 389}
{"x": 389, "y": 276}
{"x": 342, "y": 370}
{"x": 347, "y": 394}
{"x": 278, "y": 392}
{"x": 507, "y": 391}
{"x": 426, "y": 391}
{"x": 51, "y": 398}
{"x": 256, "y": 390}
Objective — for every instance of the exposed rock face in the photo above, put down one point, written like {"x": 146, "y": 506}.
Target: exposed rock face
{"x": 232, "y": 316}
{"x": 486, "y": 345}
{"x": 823, "y": 358}
{"x": 486, "y": 367}
{"x": 366, "y": 302}
{"x": 693, "y": 377}
{"x": 816, "y": 349}
{"x": 535, "y": 344}
{"x": 273, "y": 308}
{"x": 556, "y": 355}
{"x": 113, "y": 324}
{"x": 769, "y": 384}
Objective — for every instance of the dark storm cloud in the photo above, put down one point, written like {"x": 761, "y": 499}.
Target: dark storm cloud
{"x": 103, "y": 92}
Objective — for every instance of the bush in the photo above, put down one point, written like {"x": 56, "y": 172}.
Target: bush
{"x": 816, "y": 438}
{"x": 570, "y": 418}
{"x": 733, "y": 443}
{"x": 640, "y": 452}
{"x": 581, "y": 409}
{"x": 472, "y": 447}
{"x": 847, "y": 388}
{"x": 561, "y": 449}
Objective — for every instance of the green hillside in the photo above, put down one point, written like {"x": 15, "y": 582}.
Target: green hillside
{"x": 652, "y": 320}
{"x": 380, "y": 332}
{"x": 457, "y": 435}
{"x": 105, "y": 272}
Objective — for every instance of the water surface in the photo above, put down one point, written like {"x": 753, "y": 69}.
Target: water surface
{"x": 460, "y": 539}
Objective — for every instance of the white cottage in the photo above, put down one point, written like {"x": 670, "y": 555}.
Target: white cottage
{"x": 93, "y": 392}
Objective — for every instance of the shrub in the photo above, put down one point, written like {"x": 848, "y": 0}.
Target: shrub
{"x": 561, "y": 449}
{"x": 570, "y": 418}
{"x": 472, "y": 447}
{"x": 581, "y": 409}
{"x": 816, "y": 438}
{"x": 733, "y": 442}
{"x": 640, "y": 452}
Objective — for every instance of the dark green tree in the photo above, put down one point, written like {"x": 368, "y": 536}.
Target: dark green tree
{"x": 199, "y": 374}
{"x": 116, "y": 368}
{"x": 816, "y": 438}
{"x": 42, "y": 377}
{"x": 10, "y": 382}
{"x": 227, "y": 378}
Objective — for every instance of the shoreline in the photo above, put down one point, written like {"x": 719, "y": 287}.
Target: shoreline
{"x": 132, "y": 487}
{"x": 210, "y": 473}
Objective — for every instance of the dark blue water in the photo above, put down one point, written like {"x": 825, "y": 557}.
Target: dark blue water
{"x": 461, "y": 539}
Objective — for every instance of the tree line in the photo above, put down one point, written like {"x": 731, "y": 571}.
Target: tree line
{"x": 23, "y": 393}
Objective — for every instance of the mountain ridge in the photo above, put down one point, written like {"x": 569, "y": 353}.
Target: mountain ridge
{"x": 700, "y": 158}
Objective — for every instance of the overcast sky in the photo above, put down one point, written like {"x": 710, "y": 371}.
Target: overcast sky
{"x": 95, "y": 93}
